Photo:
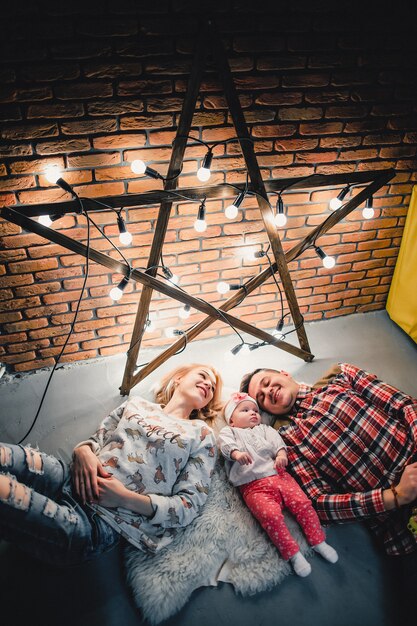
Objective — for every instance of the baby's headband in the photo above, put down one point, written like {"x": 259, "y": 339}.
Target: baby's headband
{"x": 235, "y": 399}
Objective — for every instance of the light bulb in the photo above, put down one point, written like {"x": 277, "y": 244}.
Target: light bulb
{"x": 334, "y": 204}
{"x": 52, "y": 173}
{"x": 115, "y": 293}
{"x": 170, "y": 332}
{"x": 280, "y": 219}
{"x": 203, "y": 174}
{"x": 231, "y": 211}
{"x": 175, "y": 279}
{"x": 222, "y": 287}
{"x": 329, "y": 262}
{"x": 200, "y": 226}
{"x": 150, "y": 324}
{"x": 184, "y": 312}
{"x": 45, "y": 220}
{"x": 125, "y": 238}
{"x": 368, "y": 213}
{"x": 245, "y": 349}
{"x": 138, "y": 166}
{"x": 278, "y": 334}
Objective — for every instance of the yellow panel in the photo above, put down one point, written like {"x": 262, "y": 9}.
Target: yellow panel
{"x": 402, "y": 297}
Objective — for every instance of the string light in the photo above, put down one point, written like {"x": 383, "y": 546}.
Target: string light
{"x": 139, "y": 167}
{"x": 117, "y": 292}
{"x": 171, "y": 332}
{"x": 184, "y": 312}
{"x": 368, "y": 212}
{"x": 243, "y": 348}
{"x": 232, "y": 210}
{"x": 336, "y": 203}
{"x": 280, "y": 217}
{"x": 203, "y": 172}
{"x": 173, "y": 278}
{"x": 124, "y": 236}
{"x": 150, "y": 324}
{"x": 200, "y": 224}
{"x": 328, "y": 261}
{"x": 53, "y": 174}
{"x": 223, "y": 287}
{"x": 45, "y": 220}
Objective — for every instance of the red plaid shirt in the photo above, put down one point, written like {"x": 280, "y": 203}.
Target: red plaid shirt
{"x": 347, "y": 442}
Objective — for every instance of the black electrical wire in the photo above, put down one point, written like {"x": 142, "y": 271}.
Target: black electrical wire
{"x": 87, "y": 267}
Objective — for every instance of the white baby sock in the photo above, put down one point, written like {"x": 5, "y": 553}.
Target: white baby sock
{"x": 326, "y": 551}
{"x": 301, "y": 566}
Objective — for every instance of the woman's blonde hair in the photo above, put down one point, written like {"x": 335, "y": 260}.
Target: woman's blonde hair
{"x": 165, "y": 391}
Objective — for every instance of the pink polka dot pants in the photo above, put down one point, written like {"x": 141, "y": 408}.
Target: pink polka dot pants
{"x": 268, "y": 497}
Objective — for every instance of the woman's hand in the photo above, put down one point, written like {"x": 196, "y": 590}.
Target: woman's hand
{"x": 113, "y": 494}
{"x": 85, "y": 469}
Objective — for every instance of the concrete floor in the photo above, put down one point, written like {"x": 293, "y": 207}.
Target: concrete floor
{"x": 360, "y": 590}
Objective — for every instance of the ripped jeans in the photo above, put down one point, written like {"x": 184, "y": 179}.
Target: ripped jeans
{"x": 39, "y": 513}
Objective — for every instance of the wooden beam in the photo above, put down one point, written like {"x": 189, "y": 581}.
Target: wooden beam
{"x": 258, "y": 184}
{"x": 212, "y": 192}
{"x": 174, "y": 169}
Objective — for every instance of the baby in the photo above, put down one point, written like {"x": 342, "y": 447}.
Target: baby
{"x": 256, "y": 461}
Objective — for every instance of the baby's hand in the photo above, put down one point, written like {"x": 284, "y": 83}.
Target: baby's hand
{"x": 281, "y": 460}
{"x": 242, "y": 457}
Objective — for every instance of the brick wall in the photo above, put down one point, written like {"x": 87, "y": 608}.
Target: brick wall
{"x": 90, "y": 86}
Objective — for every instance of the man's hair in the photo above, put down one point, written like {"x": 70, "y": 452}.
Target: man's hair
{"x": 245, "y": 382}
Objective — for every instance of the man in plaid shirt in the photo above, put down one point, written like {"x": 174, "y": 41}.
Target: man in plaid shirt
{"x": 351, "y": 444}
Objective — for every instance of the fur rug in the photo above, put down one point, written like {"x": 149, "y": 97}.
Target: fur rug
{"x": 163, "y": 583}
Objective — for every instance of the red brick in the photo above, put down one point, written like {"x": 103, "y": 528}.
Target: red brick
{"x": 119, "y": 141}
{"x": 62, "y": 145}
{"x": 30, "y": 131}
{"x": 25, "y": 325}
{"x": 300, "y": 113}
{"x": 12, "y": 338}
{"x": 89, "y": 127}
{"x": 28, "y": 345}
{"x": 44, "y": 311}
{"x": 305, "y": 80}
{"x": 274, "y": 130}
{"x": 56, "y": 110}
{"x": 19, "y": 303}
{"x": 9, "y": 149}
{"x": 32, "y": 266}
{"x": 10, "y": 317}
{"x": 14, "y": 359}
{"x": 316, "y": 157}
{"x": 146, "y": 121}
{"x": 321, "y": 128}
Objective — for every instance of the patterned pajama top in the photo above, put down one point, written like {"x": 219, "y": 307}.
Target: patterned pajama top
{"x": 152, "y": 453}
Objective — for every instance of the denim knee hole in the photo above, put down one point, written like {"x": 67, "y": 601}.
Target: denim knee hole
{"x": 19, "y": 495}
{"x": 34, "y": 461}
{"x": 6, "y": 456}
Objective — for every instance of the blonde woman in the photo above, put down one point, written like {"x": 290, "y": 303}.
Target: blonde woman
{"x": 144, "y": 474}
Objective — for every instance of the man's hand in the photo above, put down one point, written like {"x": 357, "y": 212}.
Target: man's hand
{"x": 243, "y": 458}
{"x": 407, "y": 487}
